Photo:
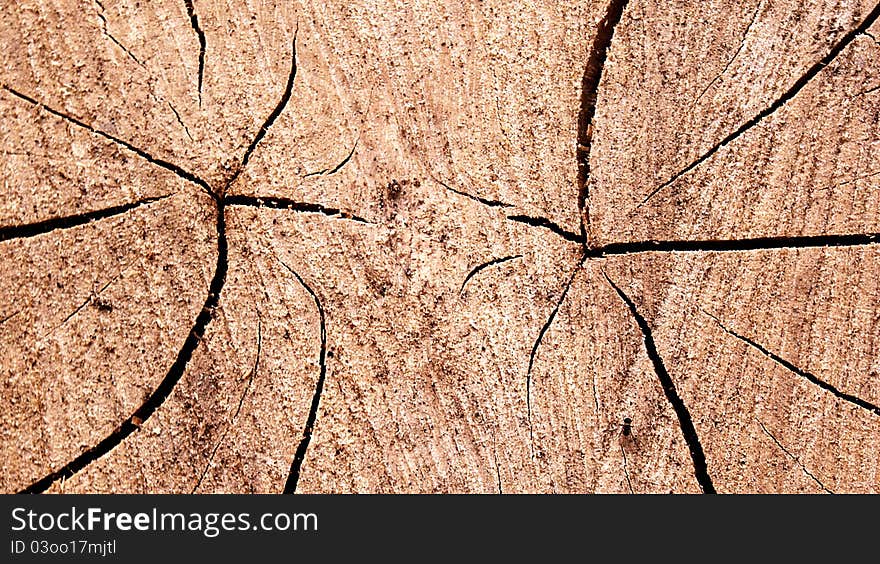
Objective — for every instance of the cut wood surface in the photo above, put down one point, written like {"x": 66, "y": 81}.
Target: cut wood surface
{"x": 596, "y": 246}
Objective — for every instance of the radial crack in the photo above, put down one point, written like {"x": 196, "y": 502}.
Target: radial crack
{"x": 793, "y": 457}
{"x": 736, "y": 245}
{"x": 175, "y": 372}
{"x": 180, "y": 121}
{"x": 282, "y": 103}
{"x": 788, "y": 95}
{"x": 194, "y": 22}
{"x": 537, "y": 344}
{"x": 338, "y": 167}
{"x": 681, "y": 411}
{"x": 113, "y": 39}
{"x": 485, "y": 265}
{"x": 299, "y": 457}
{"x": 547, "y": 224}
{"x": 287, "y": 204}
{"x": 484, "y": 201}
{"x": 48, "y": 225}
{"x": 186, "y": 175}
{"x": 88, "y": 301}
{"x": 742, "y": 43}
{"x": 589, "y": 94}
{"x": 802, "y": 373}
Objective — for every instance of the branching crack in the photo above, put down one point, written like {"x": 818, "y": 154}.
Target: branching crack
{"x": 802, "y": 373}
{"x": 681, "y": 411}
{"x": 485, "y": 265}
{"x": 175, "y": 372}
{"x": 299, "y": 457}
{"x": 589, "y": 94}
{"x": 591, "y": 79}
{"x": 788, "y": 95}
{"x": 49, "y": 225}
{"x": 286, "y": 204}
{"x": 537, "y": 344}
{"x": 793, "y": 457}
{"x": 194, "y": 22}
{"x": 186, "y": 175}
{"x": 197, "y": 332}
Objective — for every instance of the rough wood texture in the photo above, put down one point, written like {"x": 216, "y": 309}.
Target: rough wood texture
{"x": 596, "y": 246}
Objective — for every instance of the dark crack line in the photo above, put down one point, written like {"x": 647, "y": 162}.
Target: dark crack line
{"x": 866, "y": 92}
{"x": 250, "y": 380}
{"x": 547, "y": 224}
{"x": 537, "y": 344}
{"x": 186, "y": 175}
{"x": 338, "y": 167}
{"x": 855, "y": 400}
{"x": 850, "y": 181}
{"x": 282, "y": 103}
{"x": 595, "y": 395}
{"x": 81, "y": 306}
{"x": 175, "y": 372}
{"x": 88, "y": 301}
{"x": 118, "y": 44}
{"x": 681, "y": 411}
{"x": 793, "y": 457}
{"x": 194, "y": 22}
{"x": 286, "y": 204}
{"x": 736, "y": 245}
{"x": 113, "y": 39}
{"x": 793, "y": 91}
{"x": 733, "y": 58}
{"x": 300, "y": 456}
{"x": 626, "y": 470}
{"x": 484, "y": 201}
{"x": 177, "y": 369}
{"x": 46, "y": 226}
{"x": 26, "y": 153}
{"x": 498, "y": 112}
{"x": 497, "y": 469}
{"x": 589, "y": 94}
{"x": 485, "y": 265}
{"x": 8, "y": 317}
{"x": 180, "y": 121}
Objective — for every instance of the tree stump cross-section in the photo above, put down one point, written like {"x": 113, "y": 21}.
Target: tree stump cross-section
{"x": 611, "y": 246}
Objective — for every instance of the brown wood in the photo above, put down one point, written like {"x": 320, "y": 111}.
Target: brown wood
{"x": 598, "y": 246}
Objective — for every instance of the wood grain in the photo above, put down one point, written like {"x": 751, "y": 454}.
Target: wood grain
{"x": 269, "y": 247}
